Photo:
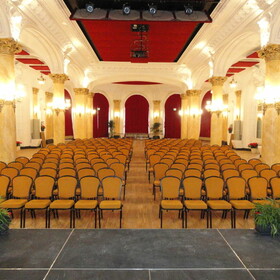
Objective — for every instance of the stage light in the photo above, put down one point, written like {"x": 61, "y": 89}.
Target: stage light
{"x": 188, "y": 9}
{"x": 89, "y": 7}
{"x": 152, "y": 9}
{"x": 126, "y": 9}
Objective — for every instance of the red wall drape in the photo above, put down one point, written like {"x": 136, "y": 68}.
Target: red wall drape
{"x": 68, "y": 116}
{"x": 136, "y": 114}
{"x": 205, "y": 126}
{"x": 172, "y": 118}
{"x": 101, "y": 118}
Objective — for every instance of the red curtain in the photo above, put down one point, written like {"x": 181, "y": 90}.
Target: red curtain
{"x": 205, "y": 126}
{"x": 172, "y": 117}
{"x": 136, "y": 114}
{"x": 68, "y": 116}
{"x": 101, "y": 118}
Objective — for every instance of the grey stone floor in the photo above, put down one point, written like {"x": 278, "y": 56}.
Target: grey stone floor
{"x": 150, "y": 254}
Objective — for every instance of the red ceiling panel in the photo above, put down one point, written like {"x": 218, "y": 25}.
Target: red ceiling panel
{"x": 245, "y": 63}
{"x": 30, "y": 61}
{"x": 235, "y": 70}
{"x": 229, "y": 75}
{"x": 41, "y": 68}
{"x": 253, "y": 55}
{"x": 113, "y": 40}
{"x": 45, "y": 72}
{"x": 136, "y": 83}
{"x": 23, "y": 53}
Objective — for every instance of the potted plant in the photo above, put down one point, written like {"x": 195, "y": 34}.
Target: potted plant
{"x": 111, "y": 127}
{"x": 267, "y": 217}
{"x": 156, "y": 130}
{"x": 254, "y": 147}
{"x": 5, "y": 220}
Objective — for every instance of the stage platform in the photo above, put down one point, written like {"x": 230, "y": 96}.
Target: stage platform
{"x": 144, "y": 254}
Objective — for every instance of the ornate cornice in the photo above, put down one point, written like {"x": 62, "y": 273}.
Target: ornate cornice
{"x": 49, "y": 94}
{"x": 217, "y": 80}
{"x": 81, "y": 91}
{"x": 9, "y": 46}
{"x": 116, "y": 102}
{"x": 91, "y": 94}
{"x": 156, "y": 102}
{"x": 59, "y": 78}
{"x": 193, "y": 92}
{"x": 270, "y": 52}
{"x": 35, "y": 90}
{"x": 184, "y": 96}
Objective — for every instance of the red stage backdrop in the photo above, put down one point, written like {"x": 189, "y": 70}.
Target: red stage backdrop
{"x": 172, "y": 117}
{"x": 68, "y": 116}
{"x": 101, "y": 118}
{"x": 205, "y": 126}
{"x": 136, "y": 114}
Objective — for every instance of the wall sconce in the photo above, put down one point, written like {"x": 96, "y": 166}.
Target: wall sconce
{"x": 116, "y": 114}
{"x": 48, "y": 111}
{"x": 174, "y": 109}
{"x": 90, "y": 111}
{"x": 216, "y": 107}
{"x": 36, "y": 110}
{"x": 195, "y": 112}
{"x": 156, "y": 114}
{"x": 94, "y": 111}
{"x": 180, "y": 112}
{"x": 60, "y": 105}
{"x": 79, "y": 110}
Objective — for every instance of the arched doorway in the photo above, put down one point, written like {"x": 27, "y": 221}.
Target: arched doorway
{"x": 172, "y": 121}
{"x": 101, "y": 117}
{"x": 68, "y": 117}
{"x": 205, "y": 126}
{"x": 136, "y": 114}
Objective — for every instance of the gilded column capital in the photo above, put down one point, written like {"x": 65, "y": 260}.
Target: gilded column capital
{"x": 35, "y": 90}
{"x": 81, "y": 91}
{"x": 238, "y": 93}
{"x": 116, "y": 102}
{"x": 9, "y": 46}
{"x": 49, "y": 94}
{"x": 270, "y": 52}
{"x": 156, "y": 102}
{"x": 193, "y": 92}
{"x": 184, "y": 96}
{"x": 217, "y": 80}
{"x": 91, "y": 94}
{"x": 59, "y": 78}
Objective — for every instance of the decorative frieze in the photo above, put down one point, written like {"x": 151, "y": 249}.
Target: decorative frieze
{"x": 81, "y": 91}
{"x": 217, "y": 80}
{"x": 9, "y": 46}
{"x": 59, "y": 78}
{"x": 270, "y": 52}
{"x": 193, "y": 92}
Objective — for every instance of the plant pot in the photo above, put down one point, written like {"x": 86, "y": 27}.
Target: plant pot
{"x": 254, "y": 150}
{"x": 263, "y": 230}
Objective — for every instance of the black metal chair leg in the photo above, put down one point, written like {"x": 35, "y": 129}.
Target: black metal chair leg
{"x": 46, "y": 216}
{"x": 121, "y": 218}
{"x": 161, "y": 218}
{"x": 207, "y": 217}
{"x": 24, "y": 211}
{"x": 74, "y": 218}
{"x": 99, "y": 218}
{"x": 186, "y": 218}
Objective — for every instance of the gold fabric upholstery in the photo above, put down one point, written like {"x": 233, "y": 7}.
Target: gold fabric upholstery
{"x": 110, "y": 204}
{"x": 62, "y": 204}
{"x": 37, "y": 204}
{"x": 13, "y": 203}
{"x": 219, "y": 204}
{"x": 86, "y": 204}
{"x": 171, "y": 204}
{"x": 242, "y": 204}
{"x": 195, "y": 204}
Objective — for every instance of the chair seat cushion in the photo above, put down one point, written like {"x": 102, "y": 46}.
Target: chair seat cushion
{"x": 219, "y": 204}
{"x": 242, "y": 204}
{"x": 195, "y": 204}
{"x": 13, "y": 203}
{"x": 86, "y": 204}
{"x": 62, "y": 204}
{"x": 2, "y": 200}
{"x": 110, "y": 204}
{"x": 171, "y": 204}
{"x": 38, "y": 204}
{"x": 261, "y": 201}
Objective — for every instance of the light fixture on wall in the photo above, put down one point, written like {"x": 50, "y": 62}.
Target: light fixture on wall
{"x": 232, "y": 83}
{"x": 216, "y": 107}
{"x": 59, "y": 105}
{"x": 41, "y": 80}
{"x": 126, "y": 9}
{"x": 89, "y": 7}
{"x": 152, "y": 9}
{"x": 195, "y": 112}
{"x": 188, "y": 9}
{"x": 117, "y": 114}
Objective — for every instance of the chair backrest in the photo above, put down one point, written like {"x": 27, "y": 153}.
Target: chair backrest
{"x": 23, "y": 160}
{"x": 21, "y": 186}
{"x": 89, "y": 187}
{"x": 99, "y": 165}
{"x": 121, "y": 158}
{"x": 52, "y": 159}
{"x": 112, "y": 160}
{"x": 276, "y": 167}
{"x": 192, "y": 172}
{"x": 29, "y": 171}
{"x": 275, "y": 186}
{"x": 239, "y": 161}
{"x": 211, "y": 172}
{"x": 119, "y": 169}
{"x": 227, "y": 166}
{"x": 236, "y": 187}
{"x": 41, "y": 155}
{"x": 170, "y": 187}
{"x": 244, "y": 166}
{"x": 37, "y": 159}
{"x": 192, "y": 187}
{"x": 112, "y": 187}
{"x": 49, "y": 165}
{"x": 159, "y": 170}
{"x": 261, "y": 166}
{"x": 44, "y": 186}
{"x": 248, "y": 173}
{"x": 254, "y": 161}
{"x": 105, "y": 172}
{"x": 67, "y": 172}
{"x": 81, "y": 160}
{"x": 85, "y": 172}
{"x": 195, "y": 166}
{"x": 211, "y": 166}
{"x": 214, "y": 187}
{"x": 174, "y": 172}
{"x": 2, "y": 165}
{"x": 35, "y": 165}
{"x": 66, "y": 160}
{"x": 11, "y": 172}
{"x": 4, "y": 184}
{"x": 258, "y": 187}
{"x": 66, "y": 187}
{"x": 180, "y": 166}
{"x": 82, "y": 165}
{"x": 168, "y": 161}
{"x": 268, "y": 174}
{"x": 48, "y": 172}
{"x": 230, "y": 173}
{"x": 16, "y": 164}
{"x": 153, "y": 159}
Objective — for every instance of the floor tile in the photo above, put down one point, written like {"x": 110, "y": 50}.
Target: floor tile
{"x": 98, "y": 275}
{"x": 27, "y": 248}
{"x": 22, "y": 274}
{"x": 146, "y": 249}
{"x": 266, "y": 274}
{"x": 200, "y": 274}
{"x": 255, "y": 250}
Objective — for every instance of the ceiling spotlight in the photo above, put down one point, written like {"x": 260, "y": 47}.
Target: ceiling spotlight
{"x": 188, "y": 9}
{"x": 126, "y": 9}
{"x": 152, "y": 9}
{"x": 89, "y": 7}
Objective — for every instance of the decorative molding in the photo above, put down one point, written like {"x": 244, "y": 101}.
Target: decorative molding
{"x": 270, "y": 52}
{"x": 9, "y": 46}
{"x": 193, "y": 92}
{"x": 116, "y": 102}
{"x": 238, "y": 93}
{"x": 156, "y": 102}
{"x": 81, "y": 91}
{"x": 225, "y": 99}
{"x": 49, "y": 94}
{"x": 217, "y": 80}
{"x": 35, "y": 90}
{"x": 59, "y": 78}
{"x": 184, "y": 96}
